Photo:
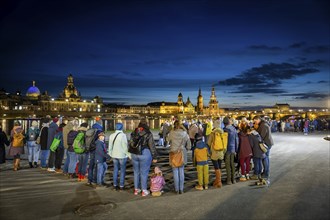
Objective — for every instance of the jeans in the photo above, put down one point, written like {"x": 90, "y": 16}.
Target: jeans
{"x": 43, "y": 158}
{"x": 33, "y": 151}
{"x": 92, "y": 168}
{"x": 83, "y": 162}
{"x": 178, "y": 176}
{"x": 257, "y": 163}
{"x": 141, "y": 167}
{"x": 66, "y": 162}
{"x": 217, "y": 164}
{"x": 101, "y": 170}
{"x": 119, "y": 163}
{"x": 265, "y": 163}
{"x": 73, "y": 158}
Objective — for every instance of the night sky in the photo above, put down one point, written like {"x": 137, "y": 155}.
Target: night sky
{"x": 135, "y": 52}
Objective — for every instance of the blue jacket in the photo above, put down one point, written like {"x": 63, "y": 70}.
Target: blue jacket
{"x": 232, "y": 146}
{"x": 101, "y": 154}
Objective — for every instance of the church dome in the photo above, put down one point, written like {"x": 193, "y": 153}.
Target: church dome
{"x": 33, "y": 91}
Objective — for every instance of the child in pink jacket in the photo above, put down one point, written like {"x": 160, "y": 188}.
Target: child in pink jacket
{"x": 157, "y": 182}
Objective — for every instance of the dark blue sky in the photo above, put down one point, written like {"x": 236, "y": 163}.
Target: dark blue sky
{"x": 135, "y": 52}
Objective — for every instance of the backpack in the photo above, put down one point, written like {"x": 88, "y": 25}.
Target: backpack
{"x": 71, "y": 136}
{"x": 18, "y": 139}
{"x": 135, "y": 144}
{"x": 32, "y": 134}
{"x": 220, "y": 141}
{"x": 79, "y": 143}
{"x": 90, "y": 138}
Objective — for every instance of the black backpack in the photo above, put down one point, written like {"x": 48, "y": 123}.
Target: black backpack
{"x": 90, "y": 138}
{"x": 135, "y": 143}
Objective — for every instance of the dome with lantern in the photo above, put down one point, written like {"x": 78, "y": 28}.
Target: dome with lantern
{"x": 33, "y": 91}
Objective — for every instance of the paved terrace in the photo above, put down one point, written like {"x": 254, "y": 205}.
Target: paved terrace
{"x": 299, "y": 190}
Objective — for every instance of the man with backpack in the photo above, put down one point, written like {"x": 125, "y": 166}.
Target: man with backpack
{"x": 79, "y": 148}
{"x": 33, "y": 147}
{"x": 91, "y": 137}
{"x": 72, "y": 157}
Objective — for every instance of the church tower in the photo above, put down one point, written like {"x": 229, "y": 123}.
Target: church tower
{"x": 70, "y": 91}
{"x": 213, "y": 104}
{"x": 200, "y": 106}
{"x": 180, "y": 103}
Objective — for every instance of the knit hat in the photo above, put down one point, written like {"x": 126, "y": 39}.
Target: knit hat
{"x": 55, "y": 119}
{"x": 84, "y": 125}
{"x": 119, "y": 126}
{"x": 101, "y": 134}
{"x": 226, "y": 120}
{"x": 34, "y": 124}
{"x": 157, "y": 170}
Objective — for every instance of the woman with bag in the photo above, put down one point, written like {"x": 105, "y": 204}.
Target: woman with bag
{"x": 179, "y": 141}
{"x": 17, "y": 142}
{"x": 143, "y": 152}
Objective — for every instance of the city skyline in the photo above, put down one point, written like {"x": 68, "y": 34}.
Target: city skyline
{"x": 136, "y": 52}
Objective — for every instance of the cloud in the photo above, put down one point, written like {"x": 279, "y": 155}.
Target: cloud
{"x": 268, "y": 78}
{"x": 322, "y": 81}
{"x": 317, "y": 49}
{"x": 297, "y": 45}
{"x": 264, "y": 48}
{"x": 309, "y": 95}
{"x": 130, "y": 73}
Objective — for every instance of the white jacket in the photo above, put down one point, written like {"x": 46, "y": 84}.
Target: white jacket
{"x": 119, "y": 148}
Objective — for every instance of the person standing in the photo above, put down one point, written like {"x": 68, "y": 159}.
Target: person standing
{"x": 143, "y": 152}
{"x": 17, "y": 142}
{"x": 67, "y": 128}
{"x": 33, "y": 147}
{"x": 92, "y": 170}
{"x": 264, "y": 130}
{"x": 43, "y": 144}
{"x": 245, "y": 152}
{"x": 101, "y": 156}
{"x": 56, "y": 157}
{"x": 217, "y": 152}
{"x": 178, "y": 139}
{"x": 82, "y": 157}
{"x": 201, "y": 162}
{"x": 53, "y": 126}
{"x": 3, "y": 141}
{"x": 232, "y": 149}
{"x": 119, "y": 152}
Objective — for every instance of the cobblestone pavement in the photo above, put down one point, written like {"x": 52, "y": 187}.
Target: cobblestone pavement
{"x": 299, "y": 189}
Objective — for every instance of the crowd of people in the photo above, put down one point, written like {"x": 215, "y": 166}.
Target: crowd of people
{"x": 87, "y": 155}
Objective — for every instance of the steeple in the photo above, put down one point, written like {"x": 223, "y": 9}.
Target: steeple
{"x": 213, "y": 104}
{"x": 200, "y": 105}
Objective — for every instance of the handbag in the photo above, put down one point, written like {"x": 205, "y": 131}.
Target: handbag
{"x": 176, "y": 159}
{"x": 263, "y": 147}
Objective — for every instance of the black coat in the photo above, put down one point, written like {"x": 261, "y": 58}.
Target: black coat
{"x": 44, "y": 138}
{"x": 3, "y": 141}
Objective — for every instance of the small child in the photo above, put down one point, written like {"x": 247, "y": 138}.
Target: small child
{"x": 201, "y": 154}
{"x": 101, "y": 155}
{"x": 157, "y": 182}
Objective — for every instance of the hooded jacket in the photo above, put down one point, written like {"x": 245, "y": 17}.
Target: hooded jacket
{"x": 254, "y": 139}
{"x": 245, "y": 148}
{"x": 216, "y": 154}
{"x": 265, "y": 133}
{"x": 232, "y": 146}
{"x": 51, "y": 133}
{"x": 179, "y": 139}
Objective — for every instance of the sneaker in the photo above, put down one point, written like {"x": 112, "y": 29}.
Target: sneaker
{"x": 198, "y": 187}
{"x": 247, "y": 177}
{"x": 51, "y": 169}
{"x": 254, "y": 177}
{"x": 137, "y": 191}
{"x": 242, "y": 178}
{"x": 121, "y": 188}
{"x": 115, "y": 188}
{"x": 145, "y": 192}
{"x": 206, "y": 187}
{"x": 58, "y": 171}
